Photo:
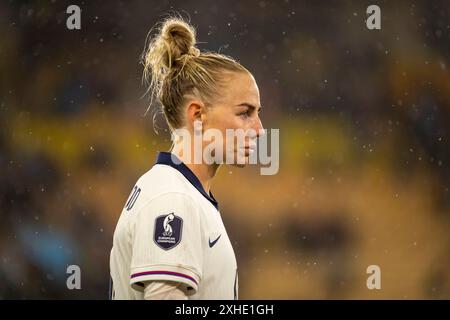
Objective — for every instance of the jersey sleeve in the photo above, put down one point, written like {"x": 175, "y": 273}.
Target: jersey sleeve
{"x": 166, "y": 242}
{"x": 164, "y": 290}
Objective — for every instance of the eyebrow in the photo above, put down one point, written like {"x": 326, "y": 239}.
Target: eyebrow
{"x": 246, "y": 104}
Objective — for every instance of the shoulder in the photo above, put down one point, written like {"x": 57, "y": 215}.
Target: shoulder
{"x": 163, "y": 187}
{"x": 162, "y": 179}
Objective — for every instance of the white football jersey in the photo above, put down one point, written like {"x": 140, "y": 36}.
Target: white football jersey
{"x": 171, "y": 229}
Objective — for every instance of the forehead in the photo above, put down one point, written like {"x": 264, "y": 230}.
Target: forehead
{"x": 242, "y": 87}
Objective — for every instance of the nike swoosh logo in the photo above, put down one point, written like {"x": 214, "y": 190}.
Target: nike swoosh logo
{"x": 211, "y": 244}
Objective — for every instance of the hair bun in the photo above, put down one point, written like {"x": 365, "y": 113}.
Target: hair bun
{"x": 174, "y": 40}
{"x": 179, "y": 39}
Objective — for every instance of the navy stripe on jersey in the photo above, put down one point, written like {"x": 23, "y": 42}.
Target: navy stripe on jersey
{"x": 177, "y": 274}
{"x": 166, "y": 158}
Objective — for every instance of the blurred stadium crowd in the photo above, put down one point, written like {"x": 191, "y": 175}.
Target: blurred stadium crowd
{"x": 364, "y": 122}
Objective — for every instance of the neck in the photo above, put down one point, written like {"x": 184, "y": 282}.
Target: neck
{"x": 204, "y": 172}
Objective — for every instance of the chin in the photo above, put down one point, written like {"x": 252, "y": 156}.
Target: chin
{"x": 239, "y": 165}
{"x": 240, "y": 160}
{"x": 243, "y": 163}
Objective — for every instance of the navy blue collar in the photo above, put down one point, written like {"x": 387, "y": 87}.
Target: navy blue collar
{"x": 166, "y": 158}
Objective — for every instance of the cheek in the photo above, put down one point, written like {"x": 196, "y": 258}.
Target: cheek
{"x": 234, "y": 122}
{"x": 226, "y": 122}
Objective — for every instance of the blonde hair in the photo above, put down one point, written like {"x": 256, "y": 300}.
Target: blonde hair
{"x": 175, "y": 68}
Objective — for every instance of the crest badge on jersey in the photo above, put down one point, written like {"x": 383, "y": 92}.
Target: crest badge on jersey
{"x": 168, "y": 230}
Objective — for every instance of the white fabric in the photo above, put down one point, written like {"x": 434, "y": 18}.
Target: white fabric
{"x": 164, "y": 290}
{"x": 203, "y": 271}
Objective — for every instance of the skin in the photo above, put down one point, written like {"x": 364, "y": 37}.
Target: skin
{"x": 238, "y": 108}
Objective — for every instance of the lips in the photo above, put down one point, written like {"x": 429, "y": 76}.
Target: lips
{"x": 249, "y": 150}
{"x": 252, "y": 145}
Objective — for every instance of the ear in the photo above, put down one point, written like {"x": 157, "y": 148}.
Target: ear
{"x": 195, "y": 111}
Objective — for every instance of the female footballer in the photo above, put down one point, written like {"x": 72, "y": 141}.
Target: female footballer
{"x": 170, "y": 241}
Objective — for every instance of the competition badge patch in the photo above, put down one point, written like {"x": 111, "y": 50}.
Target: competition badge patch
{"x": 168, "y": 229}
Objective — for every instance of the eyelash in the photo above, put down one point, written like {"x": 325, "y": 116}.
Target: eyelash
{"x": 245, "y": 113}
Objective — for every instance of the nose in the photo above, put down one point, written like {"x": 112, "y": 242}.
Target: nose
{"x": 258, "y": 127}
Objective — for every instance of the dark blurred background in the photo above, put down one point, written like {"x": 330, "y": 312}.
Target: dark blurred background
{"x": 364, "y": 121}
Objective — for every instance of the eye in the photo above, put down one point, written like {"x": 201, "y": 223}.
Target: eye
{"x": 244, "y": 114}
